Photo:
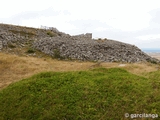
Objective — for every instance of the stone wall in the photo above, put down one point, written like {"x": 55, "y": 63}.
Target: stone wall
{"x": 87, "y": 36}
{"x": 49, "y": 28}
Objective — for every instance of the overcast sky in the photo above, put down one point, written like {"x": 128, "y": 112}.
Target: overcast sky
{"x": 132, "y": 21}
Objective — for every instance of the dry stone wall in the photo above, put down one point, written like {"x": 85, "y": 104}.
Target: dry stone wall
{"x": 81, "y": 47}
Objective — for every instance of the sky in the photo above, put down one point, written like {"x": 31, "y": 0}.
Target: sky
{"x": 135, "y": 22}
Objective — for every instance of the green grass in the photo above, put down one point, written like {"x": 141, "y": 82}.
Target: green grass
{"x": 98, "y": 94}
{"x": 11, "y": 45}
{"x": 51, "y": 34}
{"x": 22, "y": 33}
{"x": 30, "y": 50}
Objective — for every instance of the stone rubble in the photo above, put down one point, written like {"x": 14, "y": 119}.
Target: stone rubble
{"x": 92, "y": 50}
{"x": 1, "y": 46}
{"x": 80, "y": 47}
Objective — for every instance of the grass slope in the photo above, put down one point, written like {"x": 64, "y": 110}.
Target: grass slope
{"x": 98, "y": 94}
{"x": 14, "y": 68}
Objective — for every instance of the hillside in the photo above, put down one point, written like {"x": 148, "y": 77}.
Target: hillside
{"x": 89, "y": 79}
{"x": 22, "y": 40}
{"x": 98, "y": 94}
{"x": 14, "y": 68}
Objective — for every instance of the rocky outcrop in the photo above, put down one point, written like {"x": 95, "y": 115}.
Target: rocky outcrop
{"x": 81, "y": 47}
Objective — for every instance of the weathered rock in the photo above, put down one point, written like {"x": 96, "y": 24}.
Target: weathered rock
{"x": 92, "y": 50}
{"x": 81, "y": 47}
{"x": 1, "y": 45}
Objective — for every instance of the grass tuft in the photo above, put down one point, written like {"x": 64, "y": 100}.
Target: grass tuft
{"x": 30, "y": 50}
{"x": 11, "y": 45}
{"x": 51, "y": 34}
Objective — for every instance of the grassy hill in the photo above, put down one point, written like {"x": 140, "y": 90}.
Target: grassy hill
{"x": 36, "y": 86}
{"x": 97, "y": 94}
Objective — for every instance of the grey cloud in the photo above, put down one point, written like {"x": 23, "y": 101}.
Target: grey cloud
{"x": 90, "y": 25}
{"x": 84, "y": 26}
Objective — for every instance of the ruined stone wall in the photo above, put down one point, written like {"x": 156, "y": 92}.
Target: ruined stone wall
{"x": 87, "y": 36}
{"x": 81, "y": 47}
{"x": 92, "y": 50}
{"x": 50, "y": 28}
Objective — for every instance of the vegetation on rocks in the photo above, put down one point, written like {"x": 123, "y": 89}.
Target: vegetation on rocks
{"x": 30, "y": 50}
{"x": 51, "y": 34}
{"x": 81, "y": 47}
{"x": 11, "y": 45}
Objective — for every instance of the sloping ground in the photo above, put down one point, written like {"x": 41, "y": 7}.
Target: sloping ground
{"x": 92, "y": 50}
{"x": 14, "y": 31}
{"x": 98, "y": 94}
{"x": 155, "y": 55}
{"x": 64, "y": 46}
{"x": 14, "y": 68}
{"x": 12, "y": 36}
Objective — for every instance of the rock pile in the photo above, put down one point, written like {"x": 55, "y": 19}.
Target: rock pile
{"x": 82, "y": 47}
{"x": 17, "y": 34}
{"x": 1, "y": 46}
{"x": 92, "y": 50}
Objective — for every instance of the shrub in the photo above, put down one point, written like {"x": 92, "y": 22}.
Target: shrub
{"x": 57, "y": 54}
{"x": 51, "y": 34}
{"x": 154, "y": 62}
{"x": 30, "y": 50}
{"x": 11, "y": 45}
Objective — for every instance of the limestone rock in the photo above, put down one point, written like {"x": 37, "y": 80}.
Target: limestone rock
{"x": 81, "y": 47}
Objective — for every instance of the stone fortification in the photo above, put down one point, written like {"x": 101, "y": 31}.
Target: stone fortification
{"x": 61, "y": 45}
{"x": 50, "y": 28}
{"x": 92, "y": 50}
{"x": 87, "y": 36}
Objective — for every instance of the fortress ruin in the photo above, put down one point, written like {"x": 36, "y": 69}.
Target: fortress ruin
{"x": 87, "y": 36}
